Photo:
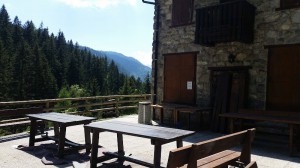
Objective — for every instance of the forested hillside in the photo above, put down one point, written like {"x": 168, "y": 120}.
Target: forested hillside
{"x": 35, "y": 64}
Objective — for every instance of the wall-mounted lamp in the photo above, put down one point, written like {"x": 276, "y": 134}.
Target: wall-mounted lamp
{"x": 231, "y": 58}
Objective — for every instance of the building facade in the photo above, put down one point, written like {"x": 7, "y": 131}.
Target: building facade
{"x": 268, "y": 49}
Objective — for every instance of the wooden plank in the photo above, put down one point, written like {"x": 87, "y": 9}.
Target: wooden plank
{"x": 179, "y": 157}
{"x": 62, "y": 118}
{"x": 221, "y": 158}
{"x": 209, "y": 147}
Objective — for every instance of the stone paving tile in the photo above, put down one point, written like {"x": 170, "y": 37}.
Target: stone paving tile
{"x": 141, "y": 148}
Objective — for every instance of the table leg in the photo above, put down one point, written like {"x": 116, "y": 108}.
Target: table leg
{"x": 87, "y": 137}
{"x": 32, "y": 132}
{"x": 179, "y": 143}
{"x": 61, "y": 140}
{"x": 291, "y": 144}
{"x": 231, "y": 125}
{"x": 157, "y": 154}
{"x": 161, "y": 115}
{"x": 94, "y": 154}
{"x": 175, "y": 117}
{"x": 56, "y": 130}
{"x": 120, "y": 146}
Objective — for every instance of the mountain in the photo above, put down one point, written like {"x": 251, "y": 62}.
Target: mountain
{"x": 126, "y": 64}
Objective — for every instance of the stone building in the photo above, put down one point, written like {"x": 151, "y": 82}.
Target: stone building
{"x": 270, "y": 54}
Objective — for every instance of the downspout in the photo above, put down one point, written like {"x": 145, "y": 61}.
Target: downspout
{"x": 157, "y": 10}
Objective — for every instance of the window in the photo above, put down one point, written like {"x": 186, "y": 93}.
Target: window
{"x": 286, "y": 4}
{"x": 182, "y": 12}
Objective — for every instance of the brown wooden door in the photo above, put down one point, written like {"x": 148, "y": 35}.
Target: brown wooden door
{"x": 283, "y": 88}
{"x": 179, "y": 78}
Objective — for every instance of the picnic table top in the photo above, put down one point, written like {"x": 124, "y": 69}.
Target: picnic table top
{"x": 141, "y": 130}
{"x": 61, "y": 118}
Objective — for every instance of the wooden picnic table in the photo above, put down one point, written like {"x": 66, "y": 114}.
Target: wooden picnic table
{"x": 177, "y": 108}
{"x": 60, "y": 121}
{"x": 158, "y": 136}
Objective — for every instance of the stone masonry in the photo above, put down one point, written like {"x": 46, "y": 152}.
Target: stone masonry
{"x": 272, "y": 27}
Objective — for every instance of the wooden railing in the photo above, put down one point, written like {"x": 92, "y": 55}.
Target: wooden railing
{"x": 81, "y": 105}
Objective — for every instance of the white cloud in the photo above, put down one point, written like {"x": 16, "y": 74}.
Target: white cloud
{"x": 98, "y": 3}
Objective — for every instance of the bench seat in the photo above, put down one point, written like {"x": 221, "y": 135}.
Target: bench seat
{"x": 218, "y": 160}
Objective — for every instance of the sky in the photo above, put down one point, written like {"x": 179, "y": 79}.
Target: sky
{"x": 124, "y": 26}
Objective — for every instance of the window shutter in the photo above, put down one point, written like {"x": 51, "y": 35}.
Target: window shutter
{"x": 182, "y": 12}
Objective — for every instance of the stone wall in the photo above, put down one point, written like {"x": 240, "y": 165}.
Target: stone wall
{"x": 272, "y": 27}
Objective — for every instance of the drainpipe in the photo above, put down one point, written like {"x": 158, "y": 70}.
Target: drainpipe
{"x": 157, "y": 10}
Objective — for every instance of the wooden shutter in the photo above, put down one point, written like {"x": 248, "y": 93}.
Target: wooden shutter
{"x": 182, "y": 12}
{"x": 284, "y": 78}
{"x": 289, "y": 3}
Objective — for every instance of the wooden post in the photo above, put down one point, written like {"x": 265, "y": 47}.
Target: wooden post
{"x": 117, "y": 106}
{"x": 94, "y": 154}
{"x": 47, "y": 106}
{"x": 87, "y": 137}
{"x": 157, "y": 153}
{"x": 32, "y": 131}
{"x": 61, "y": 141}
{"x": 179, "y": 143}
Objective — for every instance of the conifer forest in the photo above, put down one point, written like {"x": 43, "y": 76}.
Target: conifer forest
{"x": 36, "y": 64}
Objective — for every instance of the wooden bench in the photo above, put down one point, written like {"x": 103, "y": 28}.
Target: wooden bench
{"x": 179, "y": 108}
{"x": 286, "y": 117}
{"x": 16, "y": 117}
{"x": 215, "y": 152}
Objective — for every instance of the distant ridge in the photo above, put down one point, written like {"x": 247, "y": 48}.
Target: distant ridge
{"x": 126, "y": 64}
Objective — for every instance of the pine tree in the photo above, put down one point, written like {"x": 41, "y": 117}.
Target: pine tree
{"x": 5, "y": 74}
{"x": 113, "y": 78}
{"x": 147, "y": 84}
{"x": 5, "y": 29}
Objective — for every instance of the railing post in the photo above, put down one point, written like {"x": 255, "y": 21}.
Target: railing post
{"x": 117, "y": 106}
{"x": 47, "y": 106}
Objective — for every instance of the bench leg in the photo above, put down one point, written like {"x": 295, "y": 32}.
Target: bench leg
{"x": 32, "y": 132}
{"x": 94, "y": 154}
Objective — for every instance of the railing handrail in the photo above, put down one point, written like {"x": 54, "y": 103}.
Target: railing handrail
{"x": 23, "y": 102}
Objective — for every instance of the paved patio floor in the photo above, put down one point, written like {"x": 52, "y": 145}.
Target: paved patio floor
{"x": 10, "y": 157}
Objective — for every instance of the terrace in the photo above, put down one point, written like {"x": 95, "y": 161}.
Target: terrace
{"x": 16, "y": 153}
